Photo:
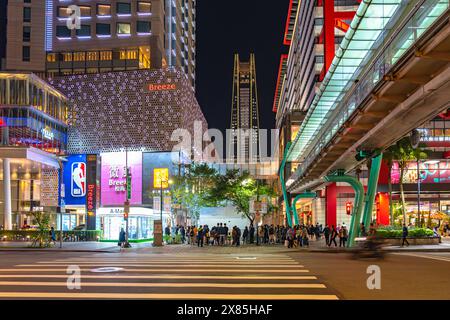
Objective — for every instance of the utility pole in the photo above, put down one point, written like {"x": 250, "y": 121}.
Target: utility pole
{"x": 127, "y": 199}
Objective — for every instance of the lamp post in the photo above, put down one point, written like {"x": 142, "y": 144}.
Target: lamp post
{"x": 127, "y": 200}
{"x": 162, "y": 182}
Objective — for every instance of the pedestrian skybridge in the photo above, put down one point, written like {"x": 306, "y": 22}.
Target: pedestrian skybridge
{"x": 392, "y": 49}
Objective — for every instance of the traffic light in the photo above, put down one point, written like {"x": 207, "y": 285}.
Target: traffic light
{"x": 348, "y": 208}
{"x": 125, "y": 215}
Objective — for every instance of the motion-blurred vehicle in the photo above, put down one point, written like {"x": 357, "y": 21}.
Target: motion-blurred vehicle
{"x": 369, "y": 247}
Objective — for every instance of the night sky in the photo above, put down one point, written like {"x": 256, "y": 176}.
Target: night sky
{"x": 238, "y": 26}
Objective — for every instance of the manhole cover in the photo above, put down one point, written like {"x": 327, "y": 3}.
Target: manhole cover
{"x": 107, "y": 270}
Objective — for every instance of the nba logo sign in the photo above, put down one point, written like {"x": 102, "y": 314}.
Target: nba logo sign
{"x": 78, "y": 185}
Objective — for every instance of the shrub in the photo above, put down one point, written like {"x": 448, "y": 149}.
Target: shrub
{"x": 392, "y": 232}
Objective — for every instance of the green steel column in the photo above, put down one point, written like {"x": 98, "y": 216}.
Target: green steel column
{"x": 283, "y": 186}
{"x": 359, "y": 201}
{"x": 306, "y": 195}
{"x": 372, "y": 189}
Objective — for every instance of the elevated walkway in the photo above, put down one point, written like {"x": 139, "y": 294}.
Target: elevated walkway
{"x": 390, "y": 75}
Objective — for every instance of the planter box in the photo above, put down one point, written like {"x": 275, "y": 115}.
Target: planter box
{"x": 413, "y": 241}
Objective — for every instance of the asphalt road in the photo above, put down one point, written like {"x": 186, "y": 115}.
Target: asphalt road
{"x": 222, "y": 273}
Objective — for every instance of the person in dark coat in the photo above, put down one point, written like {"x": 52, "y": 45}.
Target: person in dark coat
{"x": 183, "y": 234}
{"x": 405, "y": 233}
{"x": 334, "y": 234}
{"x": 326, "y": 233}
{"x": 122, "y": 238}
{"x": 252, "y": 234}
{"x": 245, "y": 235}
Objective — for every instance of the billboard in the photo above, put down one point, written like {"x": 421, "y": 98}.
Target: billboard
{"x": 113, "y": 178}
{"x": 158, "y": 168}
{"x": 75, "y": 180}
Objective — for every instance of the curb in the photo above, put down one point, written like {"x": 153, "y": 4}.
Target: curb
{"x": 384, "y": 250}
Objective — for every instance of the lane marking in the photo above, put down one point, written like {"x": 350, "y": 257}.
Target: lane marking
{"x": 210, "y": 296}
{"x": 446, "y": 259}
{"x": 177, "y": 277}
{"x": 171, "y": 285}
{"x": 149, "y": 265}
{"x": 168, "y": 270}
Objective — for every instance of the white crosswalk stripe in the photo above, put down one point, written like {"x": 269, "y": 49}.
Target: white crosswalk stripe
{"x": 164, "y": 276}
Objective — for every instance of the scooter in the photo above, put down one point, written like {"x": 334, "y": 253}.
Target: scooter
{"x": 370, "y": 247}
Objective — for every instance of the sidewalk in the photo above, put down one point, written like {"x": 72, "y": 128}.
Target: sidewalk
{"x": 66, "y": 247}
{"x": 319, "y": 246}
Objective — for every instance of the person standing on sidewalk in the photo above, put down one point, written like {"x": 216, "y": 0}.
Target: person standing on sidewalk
{"x": 405, "y": 233}
{"x": 122, "y": 238}
{"x": 200, "y": 236}
{"x": 326, "y": 233}
{"x": 245, "y": 235}
{"x": 334, "y": 234}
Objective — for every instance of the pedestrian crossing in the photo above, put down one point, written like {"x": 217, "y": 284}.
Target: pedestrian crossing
{"x": 165, "y": 276}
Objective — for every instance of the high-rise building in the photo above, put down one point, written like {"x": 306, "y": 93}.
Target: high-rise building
{"x": 244, "y": 140}
{"x": 314, "y": 30}
{"x": 54, "y": 37}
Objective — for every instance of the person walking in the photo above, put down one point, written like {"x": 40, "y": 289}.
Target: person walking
{"x": 200, "y": 236}
{"x": 290, "y": 237}
{"x": 245, "y": 235}
{"x": 238, "y": 236}
{"x": 271, "y": 234}
{"x": 343, "y": 236}
{"x": 52, "y": 235}
{"x": 183, "y": 234}
{"x": 405, "y": 233}
{"x": 334, "y": 234}
{"x": 207, "y": 234}
{"x": 122, "y": 238}
{"x": 192, "y": 236}
{"x": 225, "y": 231}
{"x": 326, "y": 233}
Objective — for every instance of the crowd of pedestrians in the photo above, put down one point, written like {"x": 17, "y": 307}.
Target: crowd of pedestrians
{"x": 297, "y": 236}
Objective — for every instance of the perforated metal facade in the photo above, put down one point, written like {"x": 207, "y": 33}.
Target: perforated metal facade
{"x": 137, "y": 110}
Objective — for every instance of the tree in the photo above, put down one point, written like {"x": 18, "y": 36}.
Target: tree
{"x": 42, "y": 237}
{"x": 403, "y": 152}
{"x": 191, "y": 190}
{"x": 238, "y": 189}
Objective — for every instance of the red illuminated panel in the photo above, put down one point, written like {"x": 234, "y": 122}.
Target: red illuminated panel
{"x": 281, "y": 73}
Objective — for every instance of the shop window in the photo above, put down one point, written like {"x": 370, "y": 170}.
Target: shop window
{"x": 103, "y": 29}
{"x": 123, "y": 8}
{"x": 143, "y": 26}
{"x": 84, "y": 31}
{"x": 63, "y": 32}
{"x": 103, "y": 9}
{"x": 144, "y": 7}
{"x": 123, "y": 28}
{"x": 26, "y": 33}
{"x": 63, "y": 12}
{"x": 25, "y": 53}
{"x": 128, "y": 54}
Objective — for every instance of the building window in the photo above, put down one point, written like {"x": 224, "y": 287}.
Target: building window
{"x": 318, "y": 22}
{"x": 84, "y": 31}
{"x": 92, "y": 56}
{"x": 123, "y": 8}
{"x": 103, "y": 29}
{"x": 123, "y": 28}
{"x": 26, "y": 33}
{"x": 103, "y": 9}
{"x": 128, "y": 54}
{"x": 26, "y": 14}
{"x": 25, "y": 53}
{"x": 63, "y": 12}
{"x": 63, "y": 32}
{"x": 79, "y": 56}
{"x": 143, "y": 26}
{"x": 26, "y": 1}
{"x": 144, "y": 7}
{"x": 85, "y": 11}
{"x": 51, "y": 57}
{"x": 67, "y": 57}
{"x": 105, "y": 55}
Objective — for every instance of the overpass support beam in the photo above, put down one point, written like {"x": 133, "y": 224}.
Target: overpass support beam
{"x": 372, "y": 189}
{"x": 359, "y": 201}
{"x": 306, "y": 195}
{"x": 287, "y": 202}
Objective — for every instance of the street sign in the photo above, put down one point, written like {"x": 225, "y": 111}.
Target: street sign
{"x": 128, "y": 184}
{"x": 157, "y": 203}
{"x": 167, "y": 203}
